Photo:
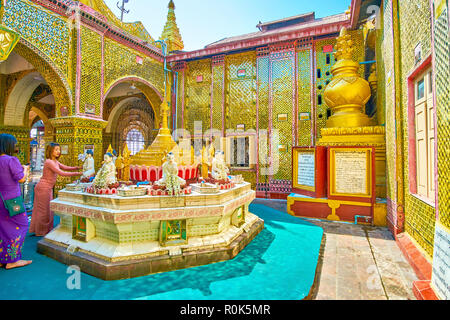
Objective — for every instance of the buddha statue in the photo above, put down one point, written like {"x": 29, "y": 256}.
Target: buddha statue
{"x": 123, "y": 164}
{"x": 219, "y": 170}
{"x": 106, "y": 176}
{"x": 88, "y": 166}
{"x": 170, "y": 178}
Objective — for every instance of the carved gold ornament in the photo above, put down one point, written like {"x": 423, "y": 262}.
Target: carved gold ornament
{"x": 8, "y": 40}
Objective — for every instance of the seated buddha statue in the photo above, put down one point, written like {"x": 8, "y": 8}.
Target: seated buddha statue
{"x": 219, "y": 169}
{"x": 106, "y": 176}
{"x": 170, "y": 178}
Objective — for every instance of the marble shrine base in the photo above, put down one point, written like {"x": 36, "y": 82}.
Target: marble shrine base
{"x": 114, "y": 237}
{"x": 168, "y": 260}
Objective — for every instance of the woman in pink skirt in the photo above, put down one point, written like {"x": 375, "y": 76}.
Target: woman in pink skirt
{"x": 42, "y": 217}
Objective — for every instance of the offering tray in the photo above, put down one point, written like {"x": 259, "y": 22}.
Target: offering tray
{"x": 205, "y": 188}
{"x": 74, "y": 187}
{"x": 238, "y": 179}
{"x": 132, "y": 192}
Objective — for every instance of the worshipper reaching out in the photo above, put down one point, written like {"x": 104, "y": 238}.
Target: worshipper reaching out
{"x": 13, "y": 230}
{"x": 42, "y": 217}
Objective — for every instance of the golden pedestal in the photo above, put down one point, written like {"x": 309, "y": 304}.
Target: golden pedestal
{"x": 361, "y": 136}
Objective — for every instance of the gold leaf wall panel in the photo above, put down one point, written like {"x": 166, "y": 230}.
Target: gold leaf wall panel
{"x": 198, "y": 95}
{"x": 282, "y": 95}
{"x": 304, "y": 96}
{"x": 120, "y": 62}
{"x": 441, "y": 42}
{"x": 263, "y": 114}
{"x": 240, "y": 101}
{"x": 415, "y": 27}
{"x": 91, "y": 68}
{"x": 218, "y": 95}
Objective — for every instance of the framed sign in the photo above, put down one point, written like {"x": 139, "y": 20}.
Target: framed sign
{"x": 241, "y": 73}
{"x": 282, "y": 148}
{"x": 82, "y": 229}
{"x": 172, "y": 232}
{"x": 240, "y": 127}
{"x": 64, "y": 149}
{"x": 309, "y": 171}
{"x": 304, "y": 116}
{"x": 351, "y": 173}
{"x": 282, "y": 117}
{"x": 89, "y": 108}
{"x": 199, "y": 78}
{"x": 79, "y": 230}
{"x": 328, "y": 48}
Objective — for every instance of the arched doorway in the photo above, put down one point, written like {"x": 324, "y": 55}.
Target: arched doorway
{"x": 129, "y": 108}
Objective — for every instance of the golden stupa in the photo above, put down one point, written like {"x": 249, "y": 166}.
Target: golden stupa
{"x": 346, "y": 95}
{"x": 163, "y": 144}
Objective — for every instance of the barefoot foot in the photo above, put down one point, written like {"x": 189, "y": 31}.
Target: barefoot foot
{"x": 18, "y": 264}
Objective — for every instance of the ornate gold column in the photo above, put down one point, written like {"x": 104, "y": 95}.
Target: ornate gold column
{"x": 73, "y": 134}
{"x": 22, "y": 134}
{"x": 346, "y": 95}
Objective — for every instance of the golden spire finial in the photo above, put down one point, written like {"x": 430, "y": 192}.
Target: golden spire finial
{"x": 344, "y": 46}
{"x": 171, "y": 33}
{"x": 126, "y": 152}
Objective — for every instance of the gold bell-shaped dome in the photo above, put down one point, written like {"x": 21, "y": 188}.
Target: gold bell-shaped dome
{"x": 347, "y": 93}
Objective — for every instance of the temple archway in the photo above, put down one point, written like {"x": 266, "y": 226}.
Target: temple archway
{"x": 19, "y": 97}
{"x": 48, "y": 73}
{"x": 131, "y": 105}
{"x": 124, "y": 86}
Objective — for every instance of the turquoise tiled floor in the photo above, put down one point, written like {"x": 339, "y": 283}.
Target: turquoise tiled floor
{"x": 279, "y": 264}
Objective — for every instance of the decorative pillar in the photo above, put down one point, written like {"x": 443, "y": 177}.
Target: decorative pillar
{"x": 22, "y": 135}
{"x": 74, "y": 134}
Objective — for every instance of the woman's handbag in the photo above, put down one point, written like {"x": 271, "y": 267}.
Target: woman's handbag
{"x": 14, "y": 206}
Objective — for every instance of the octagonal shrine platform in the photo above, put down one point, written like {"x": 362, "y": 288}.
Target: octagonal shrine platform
{"x": 113, "y": 237}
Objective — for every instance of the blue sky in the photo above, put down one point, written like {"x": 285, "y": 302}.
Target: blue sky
{"x": 202, "y": 22}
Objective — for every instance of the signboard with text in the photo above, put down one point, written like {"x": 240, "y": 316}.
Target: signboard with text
{"x": 351, "y": 174}
{"x": 309, "y": 171}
